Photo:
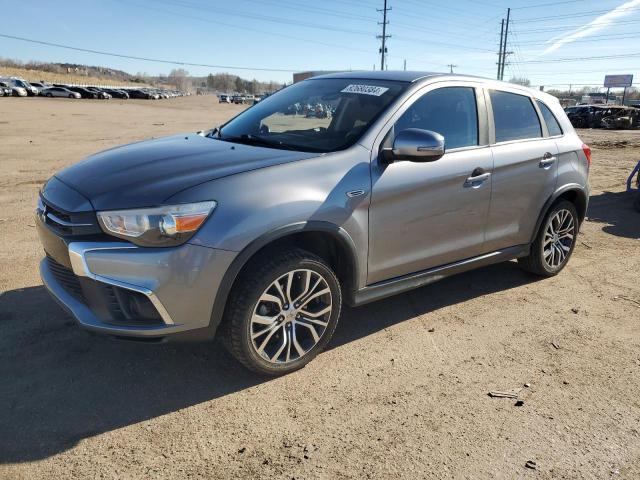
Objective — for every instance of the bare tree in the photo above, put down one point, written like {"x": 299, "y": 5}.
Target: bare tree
{"x": 520, "y": 81}
{"x": 178, "y": 77}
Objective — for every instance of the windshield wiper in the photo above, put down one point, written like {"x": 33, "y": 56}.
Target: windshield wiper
{"x": 255, "y": 140}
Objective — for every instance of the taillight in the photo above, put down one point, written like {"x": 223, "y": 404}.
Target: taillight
{"x": 587, "y": 153}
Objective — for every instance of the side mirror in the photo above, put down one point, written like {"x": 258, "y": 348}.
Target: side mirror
{"x": 417, "y": 145}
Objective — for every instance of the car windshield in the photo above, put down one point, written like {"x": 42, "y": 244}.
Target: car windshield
{"x": 322, "y": 115}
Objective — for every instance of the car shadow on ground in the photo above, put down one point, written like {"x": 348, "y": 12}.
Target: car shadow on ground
{"x": 61, "y": 385}
{"x": 617, "y": 211}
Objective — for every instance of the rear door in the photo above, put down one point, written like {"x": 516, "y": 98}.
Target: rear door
{"x": 427, "y": 214}
{"x": 525, "y": 162}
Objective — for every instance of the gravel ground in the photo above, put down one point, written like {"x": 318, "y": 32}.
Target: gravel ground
{"x": 400, "y": 393}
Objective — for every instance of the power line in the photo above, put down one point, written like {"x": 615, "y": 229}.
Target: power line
{"x": 565, "y": 27}
{"x": 579, "y": 59}
{"x": 146, "y": 59}
{"x": 574, "y": 15}
{"x": 593, "y": 38}
{"x": 549, "y": 4}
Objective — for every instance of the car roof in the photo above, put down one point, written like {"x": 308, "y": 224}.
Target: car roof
{"x": 397, "y": 75}
{"x": 415, "y": 77}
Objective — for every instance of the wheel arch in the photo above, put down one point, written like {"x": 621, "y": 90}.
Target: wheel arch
{"x": 327, "y": 240}
{"x": 574, "y": 193}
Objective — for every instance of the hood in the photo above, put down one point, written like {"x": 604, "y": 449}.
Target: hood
{"x": 147, "y": 173}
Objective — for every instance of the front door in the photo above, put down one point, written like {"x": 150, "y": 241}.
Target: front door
{"x": 428, "y": 214}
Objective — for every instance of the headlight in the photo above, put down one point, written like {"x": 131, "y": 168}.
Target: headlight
{"x": 157, "y": 227}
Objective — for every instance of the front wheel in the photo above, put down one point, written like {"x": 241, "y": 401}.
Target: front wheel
{"x": 554, "y": 242}
{"x": 283, "y": 312}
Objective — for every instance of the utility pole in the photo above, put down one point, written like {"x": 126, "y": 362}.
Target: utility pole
{"x": 451, "y": 65}
{"x": 500, "y": 50}
{"x": 405, "y": 63}
{"x": 504, "y": 44}
{"x": 384, "y": 36}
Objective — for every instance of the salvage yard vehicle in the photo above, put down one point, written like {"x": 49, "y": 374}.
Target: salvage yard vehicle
{"x": 20, "y": 86}
{"x": 5, "y": 90}
{"x": 260, "y": 229}
{"x": 117, "y": 93}
{"x": 84, "y": 92}
{"x": 59, "y": 92}
{"x": 603, "y": 116}
{"x": 620, "y": 117}
{"x": 16, "y": 90}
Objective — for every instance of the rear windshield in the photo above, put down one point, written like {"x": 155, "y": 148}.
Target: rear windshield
{"x": 321, "y": 115}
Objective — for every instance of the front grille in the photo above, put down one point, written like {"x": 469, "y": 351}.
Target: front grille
{"x": 66, "y": 278}
{"x": 69, "y": 223}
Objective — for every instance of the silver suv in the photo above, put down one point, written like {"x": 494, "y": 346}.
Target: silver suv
{"x": 342, "y": 188}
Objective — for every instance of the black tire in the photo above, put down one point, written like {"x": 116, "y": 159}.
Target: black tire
{"x": 244, "y": 300}
{"x": 535, "y": 262}
{"x": 71, "y": 96}
{"x": 49, "y": 95}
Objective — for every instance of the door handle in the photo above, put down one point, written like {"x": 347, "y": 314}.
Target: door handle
{"x": 547, "y": 160}
{"x": 477, "y": 178}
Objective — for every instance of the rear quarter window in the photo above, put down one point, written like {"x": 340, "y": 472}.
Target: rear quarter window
{"x": 514, "y": 116}
{"x": 550, "y": 119}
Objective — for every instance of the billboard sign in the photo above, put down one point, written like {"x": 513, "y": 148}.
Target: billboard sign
{"x": 613, "y": 81}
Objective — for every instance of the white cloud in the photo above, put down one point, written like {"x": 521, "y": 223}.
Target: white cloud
{"x": 594, "y": 26}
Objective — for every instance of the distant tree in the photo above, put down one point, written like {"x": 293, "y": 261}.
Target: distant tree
{"x": 178, "y": 77}
{"x": 520, "y": 81}
{"x": 239, "y": 85}
{"x": 211, "y": 82}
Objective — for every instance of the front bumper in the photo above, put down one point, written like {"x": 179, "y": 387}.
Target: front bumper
{"x": 110, "y": 283}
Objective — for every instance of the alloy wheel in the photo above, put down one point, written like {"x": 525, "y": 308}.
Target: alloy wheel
{"x": 291, "y": 316}
{"x": 558, "y": 238}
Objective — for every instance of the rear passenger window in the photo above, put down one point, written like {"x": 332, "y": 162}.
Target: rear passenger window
{"x": 514, "y": 116}
{"x": 549, "y": 118}
{"x": 449, "y": 111}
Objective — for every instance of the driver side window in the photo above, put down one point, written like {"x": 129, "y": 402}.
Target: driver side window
{"x": 449, "y": 111}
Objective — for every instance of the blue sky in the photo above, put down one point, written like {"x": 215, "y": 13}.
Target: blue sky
{"x": 333, "y": 35}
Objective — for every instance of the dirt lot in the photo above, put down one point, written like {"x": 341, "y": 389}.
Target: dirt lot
{"x": 402, "y": 392}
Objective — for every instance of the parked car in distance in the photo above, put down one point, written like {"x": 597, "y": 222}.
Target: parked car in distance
{"x": 17, "y": 90}
{"x": 117, "y": 93}
{"x": 59, "y": 92}
{"x": 138, "y": 94}
{"x": 261, "y": 229}
{"x": 6, "y": 89}
{"x": 84, "y": 92}
{"x": 32, "y": 91}
{"x": 100, "y": 93}
{"x": 224, "y": 98}
{"x": 237, "y": 99}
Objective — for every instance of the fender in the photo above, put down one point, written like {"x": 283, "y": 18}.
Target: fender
{"x": 579, "y": 189}
{"x": 245, "y": 255}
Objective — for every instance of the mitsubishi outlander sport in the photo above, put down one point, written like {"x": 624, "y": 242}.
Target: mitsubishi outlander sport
{"x": 260, "y": 229}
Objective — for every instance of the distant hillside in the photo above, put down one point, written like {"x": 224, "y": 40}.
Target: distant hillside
{"x": 71, "y": 78}
{"x": 92, "y": 75}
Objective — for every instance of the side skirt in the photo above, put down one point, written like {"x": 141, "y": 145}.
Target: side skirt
{"x": 387, "y": 288}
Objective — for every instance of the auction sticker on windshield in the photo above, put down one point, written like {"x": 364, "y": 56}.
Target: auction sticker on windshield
{"x": 365, "y": 90}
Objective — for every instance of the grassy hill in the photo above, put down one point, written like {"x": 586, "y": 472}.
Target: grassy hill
{"x": 55, "y": 77}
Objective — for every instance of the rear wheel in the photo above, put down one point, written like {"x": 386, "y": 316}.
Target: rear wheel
{"x": 554, "y": 242}
{"x": 283, "y": 312}
{"x": 71, "y": 96}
